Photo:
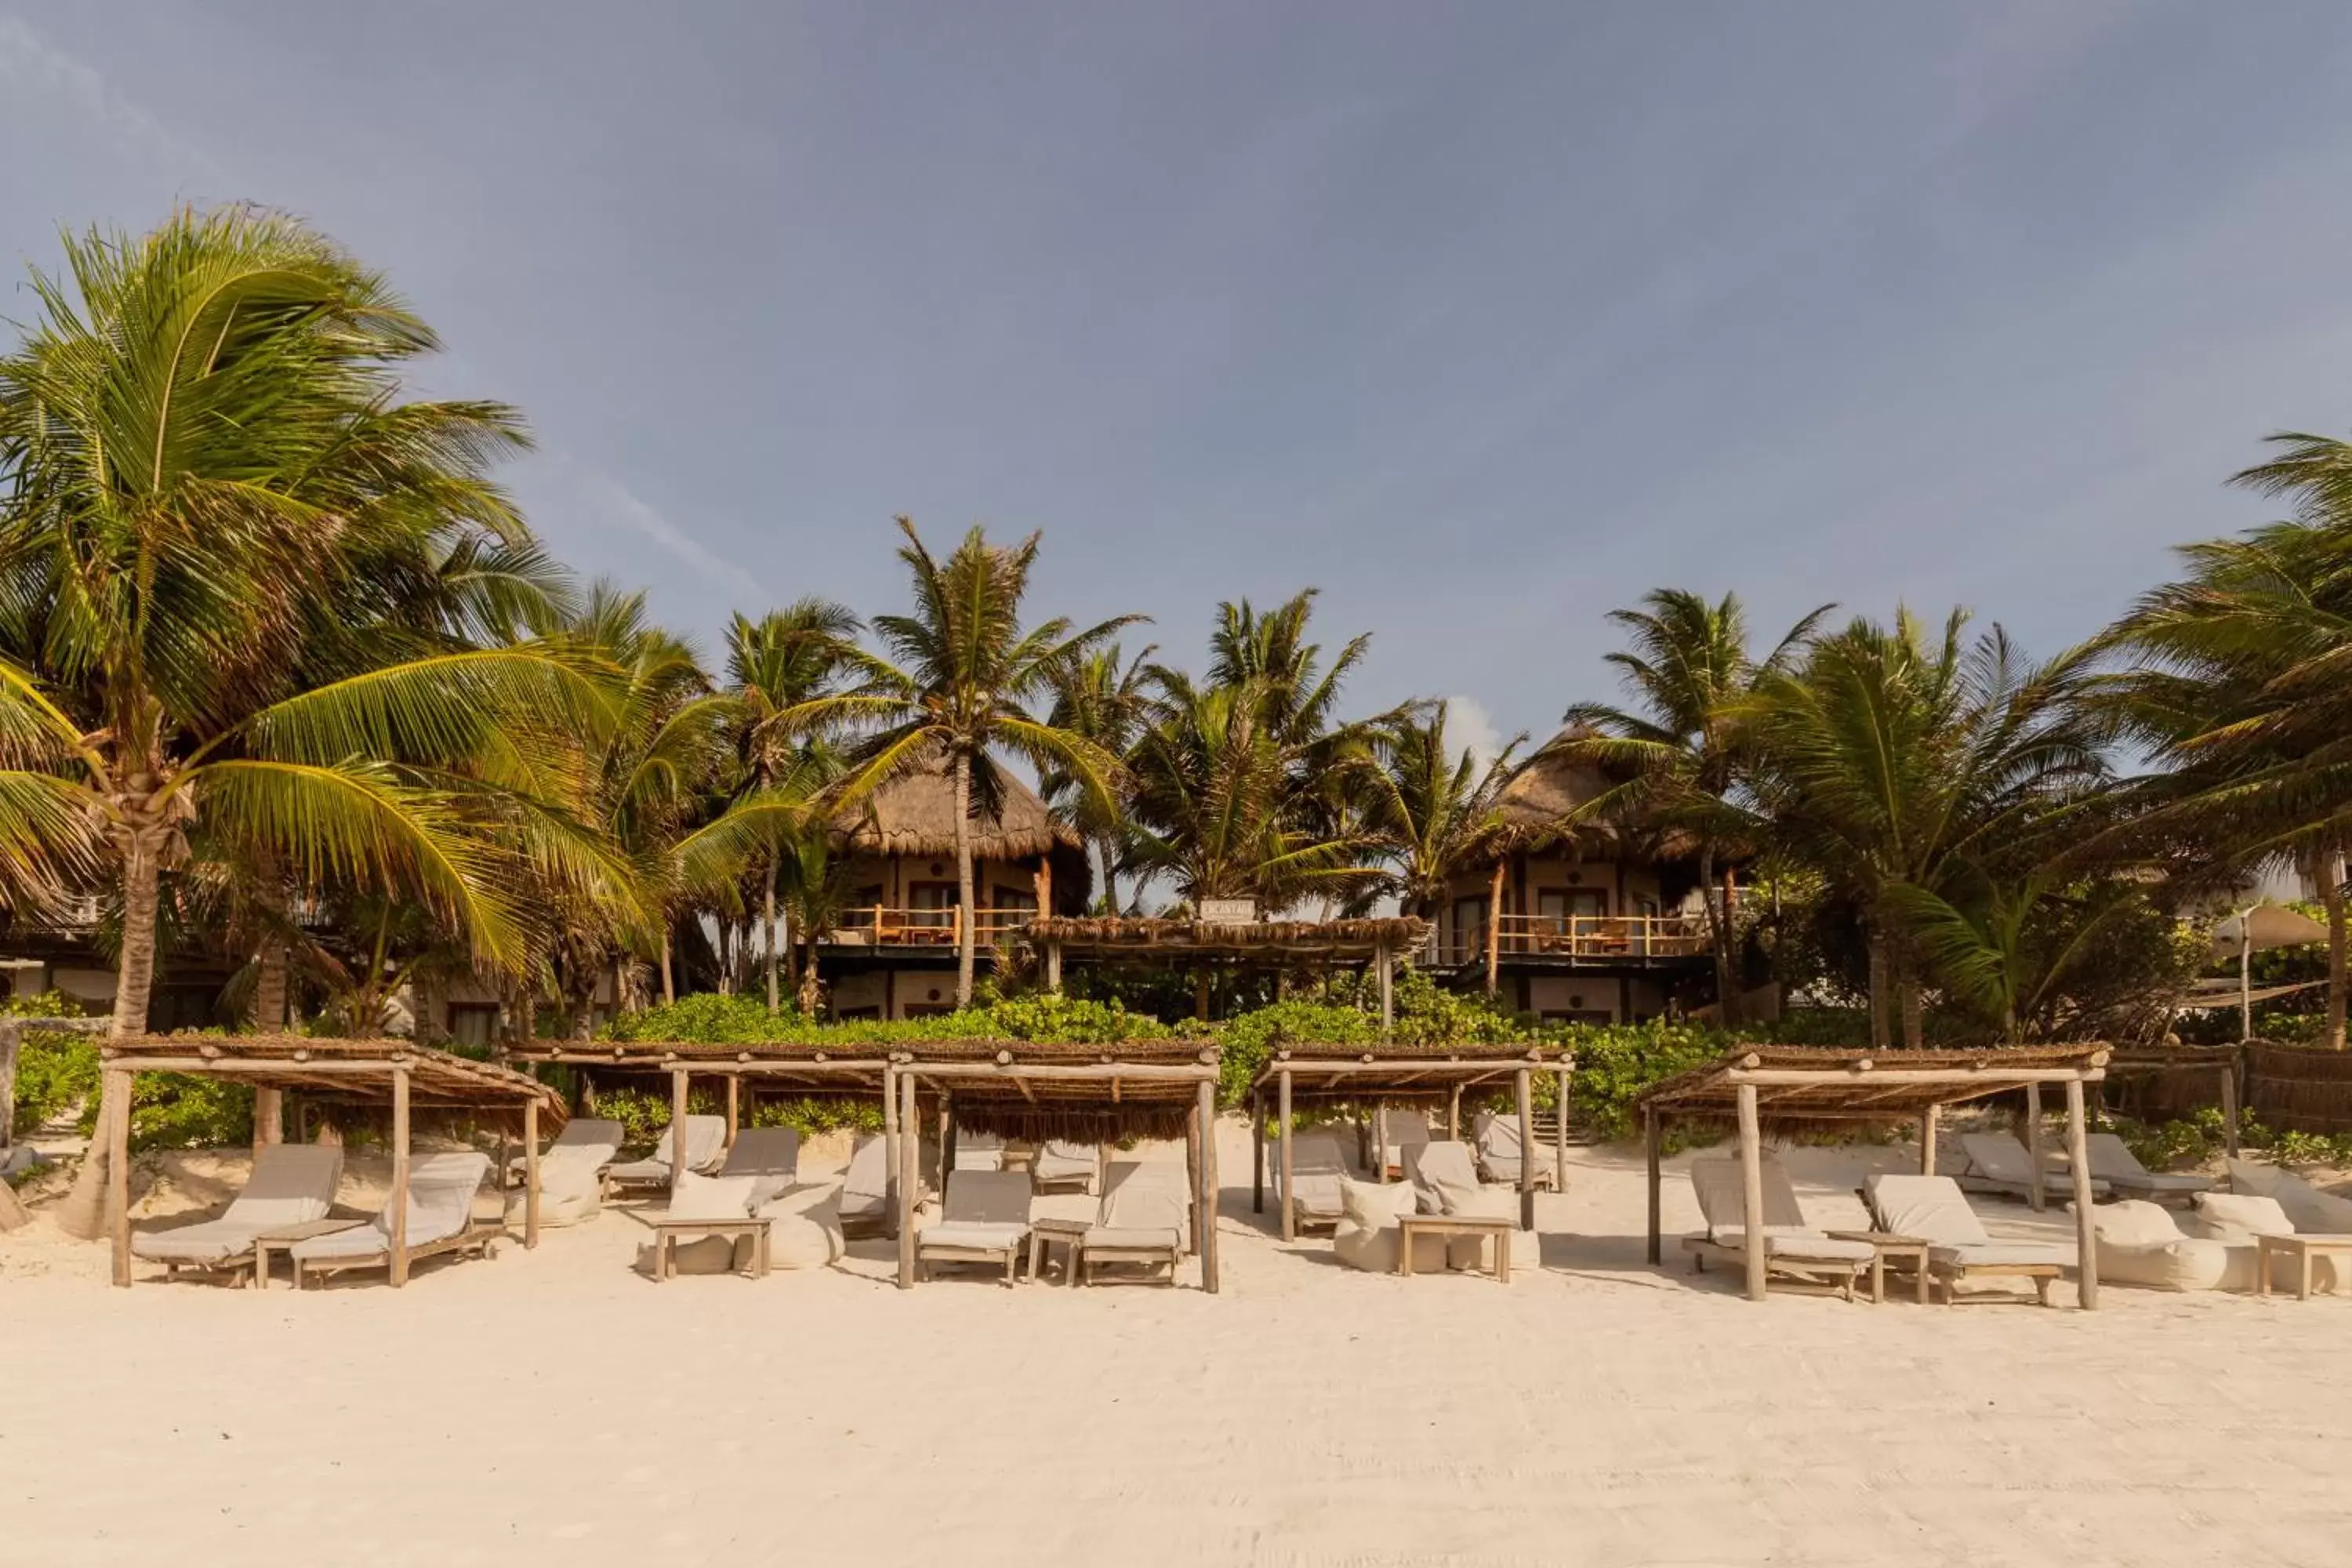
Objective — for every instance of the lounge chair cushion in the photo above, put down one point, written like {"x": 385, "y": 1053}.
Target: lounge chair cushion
{"x": 712, "y": 1197}
{"x": 1059, "y": 1161}
{"x": 570, "y": 1192}
{"x": 1443, "y": 1176}
{"x": 1993, "y": 1254}
{"x": 1932, "y": 1208}
{"x": 2002, "y": 1161}
{"x": 2314, "y": 1213}
{"x": 2113, "y": 1162}
{"x": 1317, "y": 1166}
{"x": 441, "y": 1189}
{"x": 770, "y": 1155}
{"x": 2238, "y": 1217}
{"x": 291, "y": 1183}
{"x": 1148, "y": 1200}
{"x": 1130, "y": 1236}
{"x": 866, "y": 1184}
{"x": 983, "y": 1233}
{"x": 1000, "y": 1197}
{"x": 978, "y": 1151}
{"x": 803, "y": 1226}
{"x": 1369, "y": 1231}
{"x": 2140, "y": 1244}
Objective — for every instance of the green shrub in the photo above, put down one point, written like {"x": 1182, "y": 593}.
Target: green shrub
{"x": 1615, "y": 1062}
{"x": 2195, "y": 1139}
{"x": 745, "y": 1020}
{"x": 54, "y": 1071}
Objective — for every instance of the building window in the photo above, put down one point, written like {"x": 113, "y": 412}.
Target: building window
{"x": 473, "y": 1022}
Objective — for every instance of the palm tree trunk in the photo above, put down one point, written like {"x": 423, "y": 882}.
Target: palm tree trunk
{"x": 2330, "y": 878}
{"x": 270, "y": 968}
{"x": 809, "y": 991}
{"x": 963, "y": 879}
{"x": 1915, "y": 1014}
{"x": 1718, "y": 936}
{"x": 83, "y": 1212}
{"x": 769, "y": 909}
{"x": 1879, "y": 1033}
{"x": 1110, "y": 881}
{"x": 669, "y": 986}
{"x": 1495, "y": 929}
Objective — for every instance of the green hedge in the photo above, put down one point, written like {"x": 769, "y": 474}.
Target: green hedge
{"x": 745, "y": 1020}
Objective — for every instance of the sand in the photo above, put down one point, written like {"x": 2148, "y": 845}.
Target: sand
{"x": 555, "y": 1406}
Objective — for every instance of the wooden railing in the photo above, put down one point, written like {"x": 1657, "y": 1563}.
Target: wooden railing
{"x": 1594, "y": 939}
{"x": 882, "y": 926}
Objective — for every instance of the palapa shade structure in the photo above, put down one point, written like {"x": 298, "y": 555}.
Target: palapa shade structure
{"x": 1379, "y": 942}
{"x": 1094, "y": 1093}
{"x": 914, "y": 815}
{"x": 1797, "y": 1086}
{"x": 398, "y": 1073}
{"x": 1303, "y": 1074}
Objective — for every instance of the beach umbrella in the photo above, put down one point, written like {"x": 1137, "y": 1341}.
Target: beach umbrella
{"x": 2258, "y": 930}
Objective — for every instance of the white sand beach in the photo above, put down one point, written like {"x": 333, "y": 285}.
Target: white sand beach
{"x": 555, "y": 1406}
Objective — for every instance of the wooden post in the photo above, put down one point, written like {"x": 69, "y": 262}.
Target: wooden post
{"x": 1526, "y": 1149}
{"x": 1207, "y": 1206}
{"x": 2086, "y": 1230}
{"x": 118, "y": 1173}
{"x": 399, "y": 1175}
{"x": 1560, "y": 1134}
{"x": 1195, "y": 1134}
{"x": 1652, "y": 1141}
{"x": 1494, "y": 937}
{"x": 2230, "y": 1109}
{"x": 269, "y": 1118}
{"x": 1751, "y": 1191}
{"x": 734, "y": 1117}
{"x": 1928, "y": 1119}
{"x": 12, "y": 1039}
{"x": 947, "y": 1142}
{"x": 1053, "y": 967}
{"x": 1282, "y": 1109}
{"x": 908, "y": 1139}
{"x": 676, "y": 1128}
{"x": 2037, "y": 1197}
{"x": 1381, "y": 1141}
{"x": 890, "y": 1140}
{"x": 1453, "y": 1116}
{"x": 529, "y": 1173}
{"x": 1386, "y": 964}
{"x": 1257, "y": 1153}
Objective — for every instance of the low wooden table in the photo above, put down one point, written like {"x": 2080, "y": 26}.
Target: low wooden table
{"x": 1884, "y": 1244}
{"x": 1414, "y": 1224}
{"x": 1047, "y": 1234}
{"x": 667, "y": 1231}
{"x": 2301, "y": 1249}
{"x": 286, "y": 1236}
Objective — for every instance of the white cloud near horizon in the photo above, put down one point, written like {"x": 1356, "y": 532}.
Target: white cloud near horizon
{"x": 31, "y": 69}
{"x": 615, "y": 505}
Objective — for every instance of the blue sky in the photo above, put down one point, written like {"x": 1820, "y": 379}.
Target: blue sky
{"x": 1483, "y": 319}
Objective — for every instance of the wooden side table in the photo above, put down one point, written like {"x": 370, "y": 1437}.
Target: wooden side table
{"x": 1886, "y": 1244}
{"x": 1047, "y": 1234}
{"x": 667, "y": 1231}
{"x": 2301, "y": 1249}
{"x": 286, "y": 1236}
{"x": 1414, "y": 1224}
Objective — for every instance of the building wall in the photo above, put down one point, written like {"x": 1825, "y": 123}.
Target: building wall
{"x": 1624, "y": 887}
{"x": 890, "y": 879}
{"x": 1595, "y": 998}
{"x": 891, "y": 994}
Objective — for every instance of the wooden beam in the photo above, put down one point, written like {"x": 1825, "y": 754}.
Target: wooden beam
{"x": 734, "y": 1106}
{"x": 908, "y": 1139}
{"x": 891, "y": 1141}
{"x": 676, "y": 1128}
{"x": 1560, "y": 1133}
{"x": 2086, "y": 1229}
{"x": 1653, "y": 1142}
{"x": 1928, "y": 1120}
{"x": 1453, "y": 1116}
{"x": 1194, "y": 1134}
{"x": 1495, "y": 929}
{"x": 1991, "y": 1082}
{"x": 1071, "y": 1072}
{"x": 2036, "y": 1196}
{"x": 1385, "y": 963}
{"x": 399, "y": 1176}
{"x": 2230, "y": 1109}
{"x": 1288, "y": 1193}
{"x": 118, "y": 1086}
{"x": 1257, "y": 1153}
{"x": 1526, "y": 1087}
{"x": 1751, "y": 1191}
{"x": 1208, "y": 1115}
{"x": 12, "y": 1039}
{"x": 530, "y": 1173}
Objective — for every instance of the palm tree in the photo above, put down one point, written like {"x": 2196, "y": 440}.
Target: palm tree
{"x": 1893, "y": 760}
{"x": 203, "y": 449}
{"x": 777, "y": 666}
{"x": 1433, "y": 810}
{"x": 959, "y": 689}
{"x": 1102, "y": 697}
{"x": 1681, "y": 748}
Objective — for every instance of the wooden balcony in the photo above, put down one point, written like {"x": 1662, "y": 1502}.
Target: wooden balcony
{"x": 879, "y": 926}
{"x": 1571, "y": 941}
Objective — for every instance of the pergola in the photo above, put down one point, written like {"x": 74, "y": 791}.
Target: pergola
{"x": 1325, "y": 1074}
{"x": 400, "y": 1073}
{"x": 1810, "y": 1085}
{"x": 1019, "y": 1089}
{"x": 1379, "y": 942}
{"x": 2225, "y": 1062}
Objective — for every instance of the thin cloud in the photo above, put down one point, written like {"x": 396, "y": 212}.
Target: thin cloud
{"x": 32, "y": 68}
{"x": 616, "y": 504}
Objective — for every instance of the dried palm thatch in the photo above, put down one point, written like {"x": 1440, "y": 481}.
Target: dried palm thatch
{"x": 915, "y": 814}
{"x": 2299, "y": 1090}
{"x": 1088, "y": 1093}
{"x": 1801, "y": 1085}
{"x": 1342, "y": 939}
{"x": 350, "y": 1073}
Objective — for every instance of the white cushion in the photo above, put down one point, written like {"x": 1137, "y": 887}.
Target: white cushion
{"x": 2314, "y": 1213}
{"x": 979, "y": 1233}
{"x": 2238, "y": 1217}
{"x": 712, "y": 1197}
{"x": 1986, "y": 1254}
{"x": 805, "y": 1227}
{"x": 1932, "y": 1208}
{"x": 2134, "y": 1223}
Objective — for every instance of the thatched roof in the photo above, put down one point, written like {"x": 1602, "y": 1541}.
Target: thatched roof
{"x": 344, "y": 1071}
{"x": 1549, "y": 785}
{"x": 915, "y": 814}
{"x": 1796, "y": 1085}
{"x": 1348, "y": 939}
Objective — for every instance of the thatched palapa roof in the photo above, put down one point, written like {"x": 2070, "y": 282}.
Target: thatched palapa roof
{"x": 1796, "y": 1085}
{"x": 343, "y": 1072}
{"x": 915, "y": 814}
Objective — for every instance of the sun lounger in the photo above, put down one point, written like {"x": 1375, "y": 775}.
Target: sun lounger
{"x": 1998, "y": 1164}
{"x": 2113, "y": 1162}
{"x": 1144, "y": 1221}
{"x": 705, "y": 1145}
{"x": 1064, "y": 1166}
{"x": 1499, "y": 1156}
{"x": 2239, "y": 1220}
{"x": 2312, "y": 1211}
{"x": 583, "y": 1138}
{"x": 1796, "y": 1253}
{"x": 1398, "y": 1132}
{"x": 2141, "y": 1244}
{"x": 570, "y": 1174}
{"x": 1439, "y": 1171}
{"x": 291, "y": 1184}
{"x": 978, "y": 1151}
{"x": 771, "y": 1156}
{"x": 985, "y": 1220}
{"x": 1317, "y": 1165}
{"x": 441, "y": 1189}
{"x": 866, "y": 1188}
{"x": 1936, "y": 1211}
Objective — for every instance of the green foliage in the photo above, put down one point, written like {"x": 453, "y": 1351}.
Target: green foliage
{"x": 180, "y": 1111}
{"x": 1251, "y": 1040}
{"x": 814, "y": 1114}
{"x": 1615, "y": 1062}
{"x": 642, "y": 1113}
{"x": 714, "y": 1019}
{"x": 2196, "y": 1139}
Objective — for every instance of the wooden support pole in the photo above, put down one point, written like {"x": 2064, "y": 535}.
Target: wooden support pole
{"x": 734, "y": 1106}
{"x": 399, "y": 1176}
{"x": 947, "y": 1142}
{"x": 890, "y": 1141}
{"x": 118, "y": 1172}
{"x": 1453, "y": 1116}
{"x": 1053, "y": 967}
{"x": 1928, "y": 1120}
{"x": 1751, "y": 1191}
{"x": 1381, "y": 1141}
{"x": 1560, "y": 1133}
{"x": 1289, "y": 1192}
{"x": 1194, "y": 1135}
{"x": 529, "y": 1173}
{"x": 1653, "y": 1142}
{"x": 1257, "y": 1153}
{"x": 2086, "y": 1230}
{"x": 269, "y": 1118}
{"x": 2230, "y": 1109}
{"x": 908, "y": 1139}
{"x": 1207, "y": 1115}
{"x": 1526, "y": 1084}
{"x": 1385, "y": 962}
{"x": 1494, "y": 935}
{"x": 12, "y": 1040}
{"x": 677, "y": 1130}
{"x": 2037, "y": 1197}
